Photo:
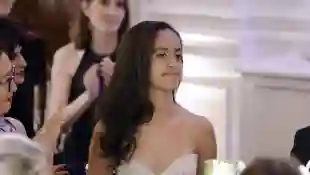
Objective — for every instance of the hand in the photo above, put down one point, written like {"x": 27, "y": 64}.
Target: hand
{"x": 107, "y": 66}
{"x": 91, "y": 81}
{"x": 60, "y": 170}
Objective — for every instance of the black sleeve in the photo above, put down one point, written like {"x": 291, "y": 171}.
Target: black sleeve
{"x": 301, "y": 148}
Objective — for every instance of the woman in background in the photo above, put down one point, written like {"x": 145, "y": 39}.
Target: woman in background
{"x": 36, "y": 41}
{"x": 48, "y": 134}
{"x": 21, "y": 156}
{"x": 95, "y": 35}
{"x": 142, "y": 130}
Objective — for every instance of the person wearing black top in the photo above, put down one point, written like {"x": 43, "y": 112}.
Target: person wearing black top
{"x": 301, "y": 148}
{"x": 95, "y": 35}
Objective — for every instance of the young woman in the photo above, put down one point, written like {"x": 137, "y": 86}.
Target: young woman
{"x": 142, "y": 130}
{"x": 95, "y": 36}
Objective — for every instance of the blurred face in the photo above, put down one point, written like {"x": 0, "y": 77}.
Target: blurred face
{"x": 20, "y": 65}
{"x": 105, "y": 15}
{"x": 5, "y": 6}
{"x": 7, "y": 85}
{"x": 167, "y": 61}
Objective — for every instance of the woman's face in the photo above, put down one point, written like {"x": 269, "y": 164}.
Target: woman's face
{"x": 7, "y": 84}
{"x": 20, "y": 65}
{"x": 167, "y": 61}
{"x": 105, "y": 15}
{"x": 6, "y": 6}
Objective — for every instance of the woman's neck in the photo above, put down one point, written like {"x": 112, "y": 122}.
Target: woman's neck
{"x": 162, "y": 100}
{"x": 103, "y": 43}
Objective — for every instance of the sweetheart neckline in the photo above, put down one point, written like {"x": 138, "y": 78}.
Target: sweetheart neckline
{"x": 178, "y": 159}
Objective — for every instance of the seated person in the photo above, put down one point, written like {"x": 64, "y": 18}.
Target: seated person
{"x": 29, "y": 73}
{"x": 301, "y": 148}
{"x": 7, "y": 88}
{"x": 47, "y": 136}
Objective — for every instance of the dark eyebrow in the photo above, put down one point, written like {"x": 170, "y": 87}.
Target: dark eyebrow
{"x": 161, "y": 49}
{"x": 166, "y": 49}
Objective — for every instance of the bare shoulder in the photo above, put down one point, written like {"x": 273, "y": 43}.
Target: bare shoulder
{"x": 64, "y": 52}
{"x": 66, "y": 56}
{"x": 203, "y": 135}
{"x": 198, "y": 123}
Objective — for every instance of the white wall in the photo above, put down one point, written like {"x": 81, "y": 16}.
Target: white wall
{"x": 272, "y": 111}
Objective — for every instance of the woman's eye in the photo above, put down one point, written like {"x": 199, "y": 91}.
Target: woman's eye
{"x": 161, "y": 55}
{"x": 179, "y": 57}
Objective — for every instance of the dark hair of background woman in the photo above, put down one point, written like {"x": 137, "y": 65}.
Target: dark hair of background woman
{"x": 126, "y": 104}
{"x": 265, "y": 166}
{"x": 80, "y": 32}
{"x": 9, "y": 37}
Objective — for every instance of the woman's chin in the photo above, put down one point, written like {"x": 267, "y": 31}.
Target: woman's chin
{"x": 4, "y": 108}
{"x": 19, "y": 80}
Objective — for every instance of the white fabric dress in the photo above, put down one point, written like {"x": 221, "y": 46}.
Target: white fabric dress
{"x": 184, "y": 165}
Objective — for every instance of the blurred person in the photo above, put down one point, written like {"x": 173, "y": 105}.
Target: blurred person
{"x": 47, "y": 136}
{"x": 301, "y": 147}
{"x": 265, "y": 166}
{"x": 25, "y": 98}
{"x": 21, "y": 156}
{"x": 142, "y": 129}
{"x": 95, "y": 33}
{"x": 7, "y": 88}
{"x": 5, "y": 7}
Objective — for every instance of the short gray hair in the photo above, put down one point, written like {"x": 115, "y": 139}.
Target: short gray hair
{"x": 21, "y": 156}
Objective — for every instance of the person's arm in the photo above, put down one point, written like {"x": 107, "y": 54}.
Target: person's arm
{"x": 60, "y": 82}
{"x": 60, "y": 87}
{"x": 206, "y": 143}
{"x": 97, "y": 165}
{"x": 47, "y": 136}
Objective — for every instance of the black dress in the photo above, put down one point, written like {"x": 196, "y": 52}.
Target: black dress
{"x": 76, "y": 146}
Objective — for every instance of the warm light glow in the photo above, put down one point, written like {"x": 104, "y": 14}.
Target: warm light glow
{"x": 199, "y": 66}
{"x": 197, "y": 39}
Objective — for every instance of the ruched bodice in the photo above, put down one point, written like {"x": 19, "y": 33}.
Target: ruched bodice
{"x": 184, "y": 165}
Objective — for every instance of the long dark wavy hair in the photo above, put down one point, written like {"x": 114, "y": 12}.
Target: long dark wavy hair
{"x": 126, "y": 104}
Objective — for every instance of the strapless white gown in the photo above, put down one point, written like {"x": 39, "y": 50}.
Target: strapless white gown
{"x": 184, "y": 165}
